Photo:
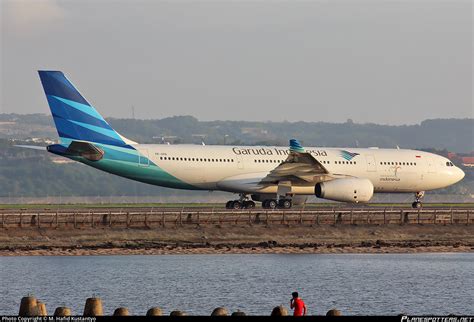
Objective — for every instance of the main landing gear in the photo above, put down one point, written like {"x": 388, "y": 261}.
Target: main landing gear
{"x": 417, "y": 203}
{"x": 273, "y": 204}
{"x": 243, "y": 203}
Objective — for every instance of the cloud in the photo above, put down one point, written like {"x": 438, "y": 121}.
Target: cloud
{"x": 31, "y": 16}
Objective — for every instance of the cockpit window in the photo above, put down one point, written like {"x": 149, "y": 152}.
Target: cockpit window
{"x": 449, "y": 164}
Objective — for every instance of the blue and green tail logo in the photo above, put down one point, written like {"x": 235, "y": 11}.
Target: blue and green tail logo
{"x": 348, "y": 155}
{"x": 74, "y": 117}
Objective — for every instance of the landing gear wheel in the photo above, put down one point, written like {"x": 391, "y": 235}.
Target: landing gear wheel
{"x": 249, "y": 204}
{"x": 228, "y": 205}
{"x": 285, "y": 204}
{"x": 416, "y": 205}
{"x": 418, "y": 196}
{"x": 236, "y": 204}
{"x": 272, "y": 204}
{"x": 265, "y": 204}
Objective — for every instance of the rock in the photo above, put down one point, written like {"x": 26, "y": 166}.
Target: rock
{"x": 238, "y": 313}
{"x": 279, "y": 311}
{"x": 333, "y": 312}
{"x": 177, "y": 313}
{"x": 154, "y": 311}
{"x": 220, "y": 311}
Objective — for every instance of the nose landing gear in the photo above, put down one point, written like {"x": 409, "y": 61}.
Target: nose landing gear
{"x": 417, "y": 203}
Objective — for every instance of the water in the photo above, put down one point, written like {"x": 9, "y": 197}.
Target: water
{"x": 352, "y": 283}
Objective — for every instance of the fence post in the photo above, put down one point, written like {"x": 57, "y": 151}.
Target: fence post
{"x": 467, "y": 217}
{"x": 110, "y": 218}
{"x": 57, "y": 219}
{"x": 419, "y": 216}
{"x": 75, "y": 220}
{"x": 250, "y": 219}
{"x": 335, "y": 220}
{"x": 92, "y": 219}
{"x": 21, "y": 219}
{"x": 266, "y": 217}
{"x": 401, "y": 216}
{"x": 146, "y": 219}
{"x": 38, "y": 220}
{"x": 384, "y": 216}
{"x": 351, "y": 216}
{"x": 451, "y": 216}
{"x": 317, "y": 219}
{"x": 198, "y": 219}
{"x": 163, "y": 219}
{"x": 3, "y": 219}
{"x": 128, "y": 220}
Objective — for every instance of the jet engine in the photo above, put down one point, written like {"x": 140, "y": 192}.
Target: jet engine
{"x": 347, "y": 190}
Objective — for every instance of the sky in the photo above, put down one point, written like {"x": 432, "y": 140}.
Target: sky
{"x": 388, "y": 62}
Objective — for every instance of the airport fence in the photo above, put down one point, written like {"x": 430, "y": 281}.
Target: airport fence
{"x": 156, "y": 218}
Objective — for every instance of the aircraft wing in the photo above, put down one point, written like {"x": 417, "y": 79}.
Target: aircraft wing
{"x": 299, "y": 167}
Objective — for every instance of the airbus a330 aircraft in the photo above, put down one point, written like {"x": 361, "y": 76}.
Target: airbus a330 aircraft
{"x": 276, "y": 176}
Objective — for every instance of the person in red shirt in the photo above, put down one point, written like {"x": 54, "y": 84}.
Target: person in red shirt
{"x": 298, "y": 305}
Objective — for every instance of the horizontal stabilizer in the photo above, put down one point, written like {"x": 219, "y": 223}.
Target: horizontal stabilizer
{"x": 33, "y": 147}
{"x": 77, "y": 148}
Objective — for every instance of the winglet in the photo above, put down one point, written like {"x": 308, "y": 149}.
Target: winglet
{"x": 295, "y": 146}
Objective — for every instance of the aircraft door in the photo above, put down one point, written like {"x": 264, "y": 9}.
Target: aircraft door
{"x": 431, "y": 165}
{"x": 240, "y": 163}
{"x": 143, "y": 158}
{"x": 371, "y": 166}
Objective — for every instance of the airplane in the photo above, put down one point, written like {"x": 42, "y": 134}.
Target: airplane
{"x": 278, "y": 177}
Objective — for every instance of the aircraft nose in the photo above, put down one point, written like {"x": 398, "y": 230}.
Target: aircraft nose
{"x": 460, "y": 174}
{"x": 456, "y": 174}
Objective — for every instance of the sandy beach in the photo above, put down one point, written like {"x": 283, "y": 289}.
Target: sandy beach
{"x": 255, "y": 239}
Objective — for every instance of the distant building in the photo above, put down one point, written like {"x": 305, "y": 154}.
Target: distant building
{"x": 60, "y": 160}
{"x": 253, "y": 131}
{"x": 467, "y": 161}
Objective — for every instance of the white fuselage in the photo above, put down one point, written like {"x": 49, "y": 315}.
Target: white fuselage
{"x": 240, "y": 168}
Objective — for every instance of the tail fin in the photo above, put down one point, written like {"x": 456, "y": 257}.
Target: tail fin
{"x": 74, "y": 117}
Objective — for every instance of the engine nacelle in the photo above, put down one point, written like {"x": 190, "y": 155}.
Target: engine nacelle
{"x": 347, "y": 190}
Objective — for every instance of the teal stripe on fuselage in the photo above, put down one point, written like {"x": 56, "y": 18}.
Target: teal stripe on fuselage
{"x": 124, "y": 162}
{"x": 150, "y": 174}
